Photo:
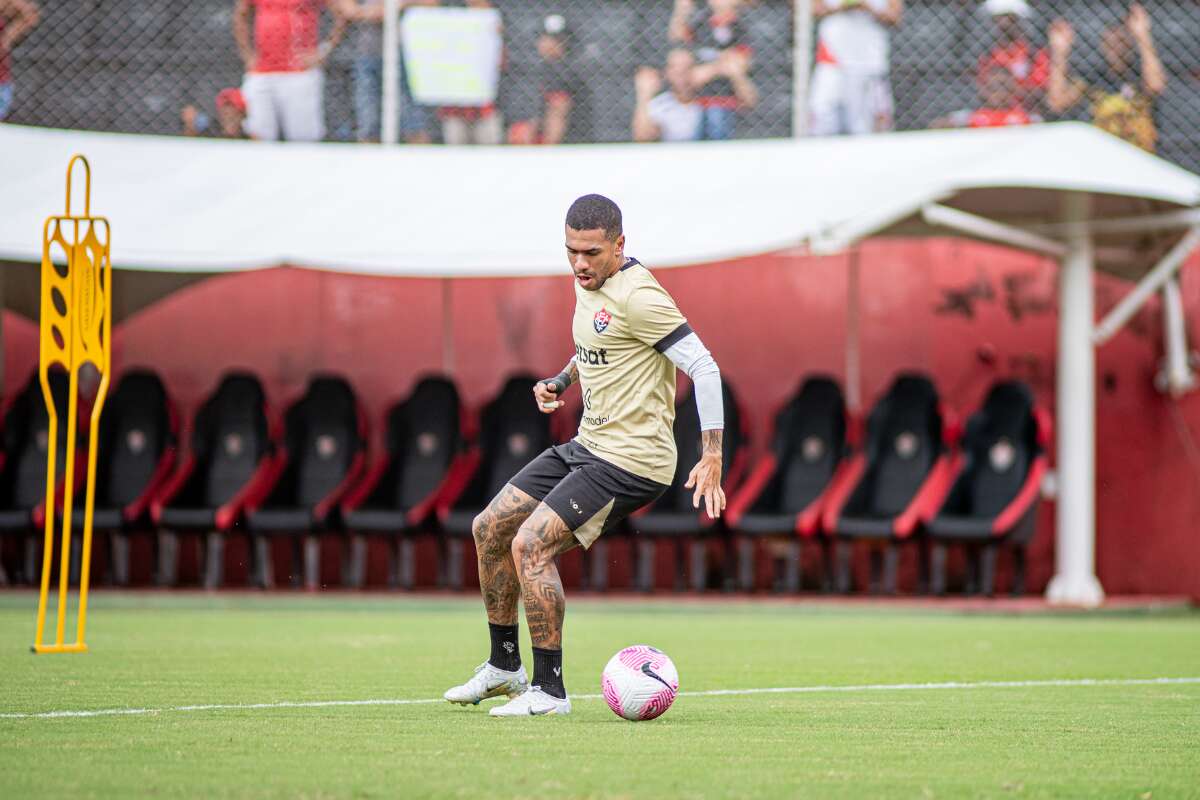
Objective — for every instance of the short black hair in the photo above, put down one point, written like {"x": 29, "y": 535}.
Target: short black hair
{"x": 594, "y": 211}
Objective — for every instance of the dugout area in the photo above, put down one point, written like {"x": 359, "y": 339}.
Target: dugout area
{"x": 840, "y": 257}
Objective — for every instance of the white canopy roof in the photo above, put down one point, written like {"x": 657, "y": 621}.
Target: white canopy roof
{"x": 189, "y": 205}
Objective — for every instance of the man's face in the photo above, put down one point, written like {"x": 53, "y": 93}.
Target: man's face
{"x": 679, "y": 72}
{"x": 1009, "y": 27}
{"x": 723, "y": 6}
{"x": 594, "y": 258}
{"x": 551, "y": 48}
{"x": 231, "y": 119}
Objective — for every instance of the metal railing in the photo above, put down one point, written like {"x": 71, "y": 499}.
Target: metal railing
{"x": 631, "y": 69}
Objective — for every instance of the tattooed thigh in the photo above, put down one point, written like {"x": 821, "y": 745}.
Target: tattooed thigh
{"x": 495, "y": 526}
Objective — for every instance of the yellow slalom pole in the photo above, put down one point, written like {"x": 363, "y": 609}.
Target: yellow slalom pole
{"x": 76, "y": 329}
{"x": 103, "y": 277}
{"x": 48, "y": 521}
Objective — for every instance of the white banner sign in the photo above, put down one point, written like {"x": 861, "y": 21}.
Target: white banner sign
{"x": 452, "y": 55}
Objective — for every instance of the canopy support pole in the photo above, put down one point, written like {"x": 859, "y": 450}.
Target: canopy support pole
{"x": 802, "y": 39}
{"x": 1178, "y": 373}
{"x": 853, "y": 328}
{"x": 389, "y": 126}
{"x": 448, "y": 326}
{"x": 1154, "y": 280}
{"x": 1075, "y": 581}
{"x": 984, "y": 228}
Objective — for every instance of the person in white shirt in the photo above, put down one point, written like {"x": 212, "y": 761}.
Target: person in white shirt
{"x": 676, "y": 115}
{"x": 851, "y": 92}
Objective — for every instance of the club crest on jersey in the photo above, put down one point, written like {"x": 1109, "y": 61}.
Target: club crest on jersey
{"x": 601, "y": 320}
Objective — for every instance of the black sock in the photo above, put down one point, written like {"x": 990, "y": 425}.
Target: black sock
{"x": 506, "y": 651}
{"x": 547, "y": 672}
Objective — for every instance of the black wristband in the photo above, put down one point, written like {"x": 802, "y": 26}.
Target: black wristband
{"x": 558, "y": 383}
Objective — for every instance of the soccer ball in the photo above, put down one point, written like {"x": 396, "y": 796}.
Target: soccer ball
{"x": 640, "y": 682}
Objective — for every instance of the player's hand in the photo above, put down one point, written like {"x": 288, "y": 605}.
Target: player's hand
{"x": 1062, "y": 36}
{"x": 705, "y": 477}
{"x": 547, "y": 400}
{"x": 647, "y": 83}
{"x": 1138, "y": 22}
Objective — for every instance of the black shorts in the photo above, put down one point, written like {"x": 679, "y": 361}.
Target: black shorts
{"x": 588, "y": 493}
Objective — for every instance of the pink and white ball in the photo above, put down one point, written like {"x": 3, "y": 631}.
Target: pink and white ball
{"x": 640, "y": 682}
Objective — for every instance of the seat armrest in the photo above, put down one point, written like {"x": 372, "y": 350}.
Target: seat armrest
{"x": 748, "y": 493}
{"x": 329, "y": 502}
{"x": 1012, "y": 513}
{"x": 841, "y": 487}
{"x": 930, "y": 497}
{"x": 162, "y": 472}
{"x": 458, "y": 477}
{"x": 359, "y": 494}
{"x": 171, "y": 487}
{"x": 254, "y": 491}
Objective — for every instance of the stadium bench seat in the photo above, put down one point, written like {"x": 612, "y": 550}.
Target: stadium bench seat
{"x": 137, "y": 452}
{"x": 784, "y": 495}
{"x": 993, "y": 500}
{"x": 228, "y": 468}
{"x": 895, "y": 483}
{"x": 23, "y": 469}
{"x": 672, "y": 516}
{"x": 398, "y": 495}
{"x": 512, "y": 432}
{"x": 322, "y": 457}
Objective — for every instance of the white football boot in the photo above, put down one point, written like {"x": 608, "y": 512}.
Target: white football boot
{"x": 533, "y": 703}
{"x": 489, "y": 681}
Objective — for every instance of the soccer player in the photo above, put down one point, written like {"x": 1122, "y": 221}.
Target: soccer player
{"x": 629, "y": 338}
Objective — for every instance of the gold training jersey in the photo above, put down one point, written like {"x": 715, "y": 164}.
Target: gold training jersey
{"x": 622, "y": 331}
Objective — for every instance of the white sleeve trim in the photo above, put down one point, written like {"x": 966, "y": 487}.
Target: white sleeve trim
{"x": 691, "y": 356}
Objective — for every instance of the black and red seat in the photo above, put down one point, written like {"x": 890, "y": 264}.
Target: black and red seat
{"x": 228, "y": 467}
{"x": 138, "y": 446}
{"x": 397, "y": 497}
{"x": 23, "y": 467}
{"x": 994, "y": 498}
{"x": 673, "y": 516}
{"x": 322, "y": 457}
{"x": 784, "y": 495}
{"x": 512, "y": 432}
{"x": 895, "y": 483}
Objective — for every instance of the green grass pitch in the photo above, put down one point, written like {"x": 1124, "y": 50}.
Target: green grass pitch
{"x": 160, "y": 652}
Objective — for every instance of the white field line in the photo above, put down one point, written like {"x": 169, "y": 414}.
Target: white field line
{"x": 870, "y": 687}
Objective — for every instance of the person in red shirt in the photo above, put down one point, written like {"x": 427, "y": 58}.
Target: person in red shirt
{"x": 17, "y": 18}
{"x": 1013, "y": 51}
{"x": 1001, "y": 95}
{"x": 285, "y": 81}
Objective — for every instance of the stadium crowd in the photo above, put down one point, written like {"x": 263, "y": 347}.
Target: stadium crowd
{"x": 696, "y": 79}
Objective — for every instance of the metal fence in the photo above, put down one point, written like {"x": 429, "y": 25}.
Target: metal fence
{"x": 136, "y": 65}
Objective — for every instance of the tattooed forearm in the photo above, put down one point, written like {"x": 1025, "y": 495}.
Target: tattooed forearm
{"x": 571, "y": 370}
{"x": 539, "y": 542}
{"x": 710, "y": 442}
{"x": 494, "y": 530}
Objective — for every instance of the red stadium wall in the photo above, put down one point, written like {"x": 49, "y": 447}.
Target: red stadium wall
{"x": 933, "y": 305}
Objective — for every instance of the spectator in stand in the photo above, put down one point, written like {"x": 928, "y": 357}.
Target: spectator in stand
{"x": 851, "y": 89}
{"x": 676, "y": 115}
{"x": 1121, "y": 93}
{"x": 285, "y": 80}
{"x": 231, "y": 117}
{"x": 716, "y": 37}
{"x": 467, "y": 125}
{"x": 17, "y": 18}
{"x": 553, "y": 103}
{"x": 1013, "y": 51}
{"x": 1001, "y": 94}
{"x": 416, "y": 121}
